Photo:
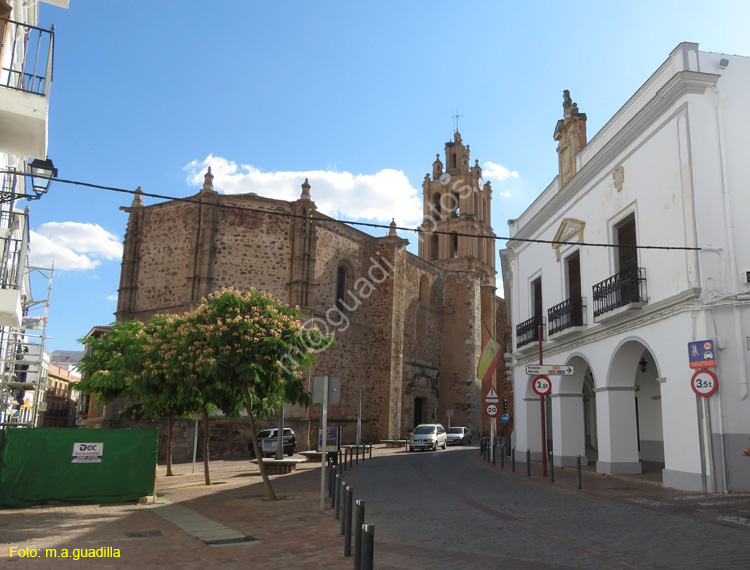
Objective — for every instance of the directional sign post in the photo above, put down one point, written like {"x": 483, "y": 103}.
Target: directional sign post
{"x": 549, "y": 370}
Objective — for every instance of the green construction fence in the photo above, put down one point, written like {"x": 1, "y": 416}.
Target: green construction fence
{"x": 76, "y": 465}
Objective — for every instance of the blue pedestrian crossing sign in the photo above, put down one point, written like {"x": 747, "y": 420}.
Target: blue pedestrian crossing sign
{"x": 701, "y": 354}
{"x": 505, "y": 418}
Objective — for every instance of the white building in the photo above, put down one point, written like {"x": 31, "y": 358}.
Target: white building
{"x": 26, "y": 53}
{"x": 671, "y": 168}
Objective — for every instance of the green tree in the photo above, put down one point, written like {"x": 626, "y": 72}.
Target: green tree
{"x": 249, "y": 351}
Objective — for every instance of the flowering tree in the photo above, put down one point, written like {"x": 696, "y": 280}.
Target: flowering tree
{"x": 117, "y": 368}
{"x": 249, "y": 351}
{"x": 237, "y": 351}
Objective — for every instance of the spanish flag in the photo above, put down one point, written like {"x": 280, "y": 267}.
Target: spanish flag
{"x": 492, "y": 353}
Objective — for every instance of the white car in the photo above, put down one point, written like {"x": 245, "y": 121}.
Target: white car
{"x": 427, "y": 436}
{"x": 458, "y": 436}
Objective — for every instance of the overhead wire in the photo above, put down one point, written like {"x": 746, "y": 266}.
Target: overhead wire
{"x": 417, "y": 230}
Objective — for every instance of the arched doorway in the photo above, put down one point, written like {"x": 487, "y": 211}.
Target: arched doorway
{"x": 572, "y": 412}
{"x": 629, "y": 412}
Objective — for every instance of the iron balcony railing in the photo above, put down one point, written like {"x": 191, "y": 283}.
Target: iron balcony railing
{"x": 26, "y": 53}
{"x": 626, "y": 287}
{"x": 568, "y": 314}
{"x": 528, "y": 331}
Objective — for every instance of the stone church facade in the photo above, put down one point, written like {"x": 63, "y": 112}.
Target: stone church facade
{"x": 409, "y": 327}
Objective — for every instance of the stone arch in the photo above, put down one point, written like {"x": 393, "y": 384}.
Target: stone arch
{"x": 630, "y": 422}
{"x": 424, "y": 290}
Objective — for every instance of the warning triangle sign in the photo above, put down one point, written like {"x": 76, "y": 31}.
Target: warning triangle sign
{"x": 491, "y": 394}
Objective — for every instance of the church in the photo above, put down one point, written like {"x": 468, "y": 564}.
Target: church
{"x": 409, "y": 328}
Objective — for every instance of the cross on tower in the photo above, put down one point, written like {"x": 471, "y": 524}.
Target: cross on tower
{"x": 455, "y": 121}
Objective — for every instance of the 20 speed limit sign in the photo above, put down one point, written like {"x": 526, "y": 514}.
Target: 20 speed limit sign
{"x": 542, "y": 385}
{"x": 704, "y": 382}
{"x": 492, "y": 410}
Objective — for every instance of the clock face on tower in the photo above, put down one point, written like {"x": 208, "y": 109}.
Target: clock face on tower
{"x": 480, "y": 182}
{"x": 445, "y": 179}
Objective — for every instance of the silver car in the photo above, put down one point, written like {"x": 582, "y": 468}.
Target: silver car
{"x": 458, "y": 436}
{"x": 427, "y": 436}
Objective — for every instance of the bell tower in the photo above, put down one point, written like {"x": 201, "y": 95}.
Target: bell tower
{"x": 456, "y": 228}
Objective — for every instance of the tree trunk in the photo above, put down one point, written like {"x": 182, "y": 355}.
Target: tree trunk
{"x": 205, "y": 446}
{"x": 170, "y": 425}
{"x": 256, "y": 447}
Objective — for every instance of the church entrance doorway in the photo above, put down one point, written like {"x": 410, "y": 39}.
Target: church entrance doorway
{"x": 419, "y": 407}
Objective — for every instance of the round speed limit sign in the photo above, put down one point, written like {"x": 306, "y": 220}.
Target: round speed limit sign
{"x": 491, "y": 410}
{"x": 704, "y": 382}
{"x": 542, "y": 385}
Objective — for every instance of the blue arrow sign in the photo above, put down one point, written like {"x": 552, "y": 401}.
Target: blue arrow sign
{"x": 505, "y": 418}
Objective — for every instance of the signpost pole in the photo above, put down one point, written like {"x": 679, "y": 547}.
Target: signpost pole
{"x": 541, "y": 401}
{"x": 323, "y": 448}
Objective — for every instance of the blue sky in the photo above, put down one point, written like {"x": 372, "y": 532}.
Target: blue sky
{"x": 357, "y": 96}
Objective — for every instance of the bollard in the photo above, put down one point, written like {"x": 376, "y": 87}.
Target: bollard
{"x": 350, "y": 457}
{"x": 578, "y": 467}
{"x": 330, "y": 479}
{"x": 368, "y": 546}
{"x": 359, "y": 520}
{"x": 357, "y": 460}
{"x": 494, "y": 452}
{"x": 528, "y": 462}
{"x": 371, "y": 451}
{"x": 337, "y": 508}
{"x": 551, "y": 468}
{"x": 502, "y": 456}
{"x": 513, "y": 459}
{"x": 348, "y": 523}
{"x": 332, "y": 485}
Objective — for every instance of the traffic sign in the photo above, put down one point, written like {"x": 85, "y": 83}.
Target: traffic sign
{"x": 505, "y": 418}
{"x": 542, "y": 385}
{"x": 549, "y": 369}
{"x": 704, "y": 383}
{"x": 492, "y": 410}
{"x": 701, "y": 354}
{"x": 491, "y": 396}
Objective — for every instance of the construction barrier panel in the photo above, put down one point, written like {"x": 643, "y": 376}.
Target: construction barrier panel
{"x": 76, "y": 465}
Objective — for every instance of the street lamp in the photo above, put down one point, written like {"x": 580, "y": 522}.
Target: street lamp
{"x": 42, "y": 173}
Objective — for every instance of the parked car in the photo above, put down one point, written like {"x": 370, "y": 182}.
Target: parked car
{"x": 270, "y": 435}
{"x": 458, "y": 436}
{"x": 427, "y": 436}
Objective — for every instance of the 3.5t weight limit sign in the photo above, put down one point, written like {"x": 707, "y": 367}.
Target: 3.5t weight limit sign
{"x": 704, "y": 383}
{"x": 541, "y": 385}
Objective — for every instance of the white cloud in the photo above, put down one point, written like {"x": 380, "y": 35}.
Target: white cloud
{"x": 497, "y": 171}
{"x": 73, "y": 245}
{"x": 343, "y": 195}
{"x": 112, "y": 297}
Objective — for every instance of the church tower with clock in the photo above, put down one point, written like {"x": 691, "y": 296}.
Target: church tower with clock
{"x": 456, "y": 214}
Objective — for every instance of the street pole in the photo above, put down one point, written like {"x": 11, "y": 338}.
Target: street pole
{"x": 280, "y": 436}
{"x": 544, "y": 423}
{"x": 359, "y": 419}
{"x": 324, "y": 454}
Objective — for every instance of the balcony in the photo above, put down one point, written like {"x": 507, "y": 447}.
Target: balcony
{"x": 620, "y": 293}
{"x": 528, "y": 331}
{"x": 13, "y": 251}
{"x": 567, "y": 317}
{"x": 25, "y": 76}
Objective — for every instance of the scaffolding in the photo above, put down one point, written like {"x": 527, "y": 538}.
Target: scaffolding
{"x": 23, "y": 366}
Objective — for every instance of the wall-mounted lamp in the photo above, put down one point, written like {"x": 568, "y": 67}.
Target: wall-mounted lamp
{"x": 643, "y": 364}
{"x": 42, "y": 173}
{"x": 723, "y": 63}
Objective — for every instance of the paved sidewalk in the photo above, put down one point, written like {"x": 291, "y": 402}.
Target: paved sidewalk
{"x": 229, "y": 525}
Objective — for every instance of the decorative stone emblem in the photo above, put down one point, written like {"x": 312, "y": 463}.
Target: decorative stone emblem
{"x": 619, "y": 177}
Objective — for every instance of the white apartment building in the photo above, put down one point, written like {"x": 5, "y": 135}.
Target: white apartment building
{"x": 634, "y": 321}
{"x": 26, "y": 58}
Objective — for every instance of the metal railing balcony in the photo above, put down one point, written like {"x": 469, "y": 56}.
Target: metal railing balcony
{"x": 26, "y": 53}
{"x": 527, "y": 332}
{"x": 620, "y": 290}
{"x": 568, "y": 314}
